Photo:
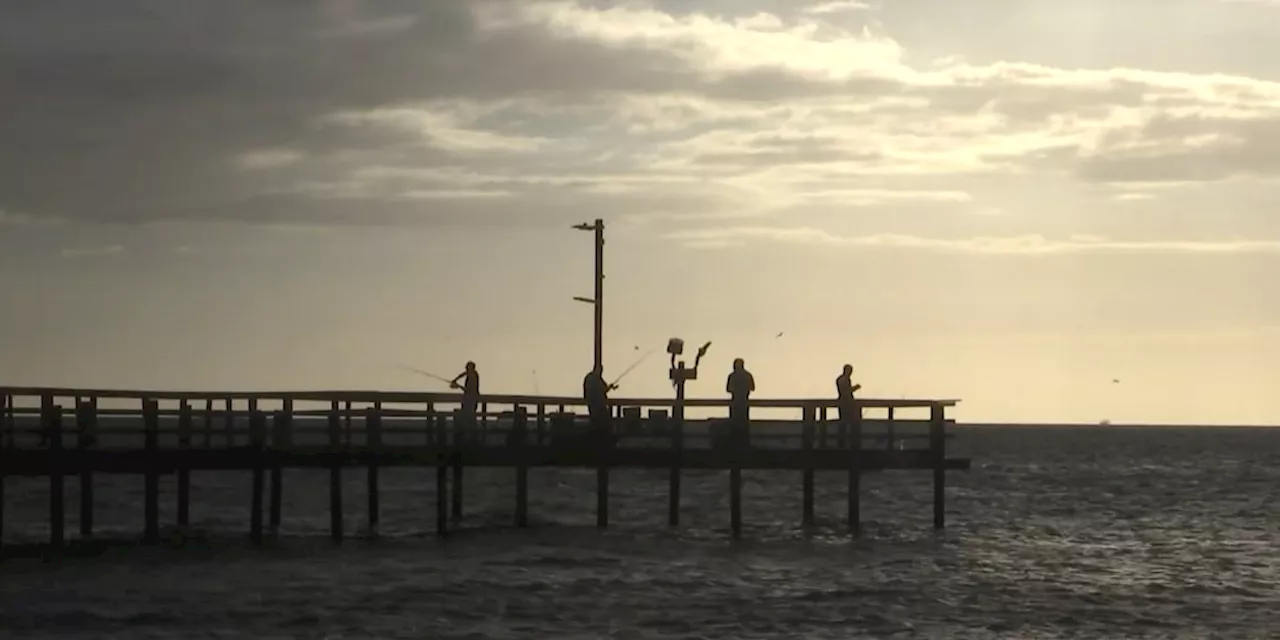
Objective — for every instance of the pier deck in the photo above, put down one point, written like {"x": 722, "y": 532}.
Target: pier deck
{"x": 83, "y": 432}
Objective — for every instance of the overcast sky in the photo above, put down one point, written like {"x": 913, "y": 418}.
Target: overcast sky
{"x": 1013, "y": 202}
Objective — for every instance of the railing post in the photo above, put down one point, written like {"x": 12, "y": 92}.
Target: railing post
{"x": 6, "y": 427}
{"x": 229, "y": 421}
{"x": 208, "y": 423}
{"x": 542, "y": 424}
{"x": 431, "y": 424}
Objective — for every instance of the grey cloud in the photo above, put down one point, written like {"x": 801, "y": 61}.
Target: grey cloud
{"x": 134, "y": 108}
{"x": 1190, "y": 148}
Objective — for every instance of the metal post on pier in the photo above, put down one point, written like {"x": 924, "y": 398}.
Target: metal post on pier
{"x": 679, "y": 375}
{"x": 598, "y": 300}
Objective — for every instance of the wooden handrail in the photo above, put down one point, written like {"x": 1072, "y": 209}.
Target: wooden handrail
{"x": 452, "y": 397}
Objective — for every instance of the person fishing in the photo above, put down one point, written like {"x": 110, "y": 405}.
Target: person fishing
{"x": 470, "y": 396}
{"x": 595, "y": 391}
{"x": 850, "y": 413}
{"x": 740, "y": 386}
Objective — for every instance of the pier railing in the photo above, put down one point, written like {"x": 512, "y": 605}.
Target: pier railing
{"x": 57, "y": 432}
{"x": 220, "y": 417}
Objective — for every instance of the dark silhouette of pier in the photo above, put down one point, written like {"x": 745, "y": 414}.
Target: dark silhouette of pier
{"x": 56, "y": 433}
{"x": 61, "y": 433}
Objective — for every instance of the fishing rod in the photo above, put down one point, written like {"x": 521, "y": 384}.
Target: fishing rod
{"x": 631, "y": 368}
{"x": 426, "y": 373}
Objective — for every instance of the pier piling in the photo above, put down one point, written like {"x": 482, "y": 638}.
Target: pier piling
{"x": 151, "y": 489}
{"x": 460, "y": 437}
{"x": 853, "y": 426}
{"x": 373, "y": 431}
{"x": 336, "y": 449}
{"x": 257, "y": 440}
{"x": 938, "y": 449}
{"x": 519, "y": 426}
{"x": 442, "y": 475}
{"x": 604, "y": 454}
{"x": 52, "y": 414}
{"x": 279, "y": 442}
{"x": 184, "y": 473}
{"x": 86, "y": 423}
{"x": 676, "y": 427}
{"x": 806, "y": 444}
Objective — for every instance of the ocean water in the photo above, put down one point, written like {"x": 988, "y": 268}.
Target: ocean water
{"x": 1055, "y": 533}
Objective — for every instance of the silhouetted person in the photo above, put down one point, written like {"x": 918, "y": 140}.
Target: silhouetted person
{"x": 470, "y": 396}
{"x": 739, "y": 387}
{"x": 595, "y": 391}
{"x": 850, "y": 414}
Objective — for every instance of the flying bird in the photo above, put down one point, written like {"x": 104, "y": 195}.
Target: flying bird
{"x": 1115, "y": 381}
{"x": 779, "y": 334}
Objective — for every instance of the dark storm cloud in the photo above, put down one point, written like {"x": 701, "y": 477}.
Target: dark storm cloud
{"x": 128, "y": 109}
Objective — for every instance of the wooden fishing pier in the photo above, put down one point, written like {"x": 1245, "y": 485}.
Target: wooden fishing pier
{"x": 79, "y": 433}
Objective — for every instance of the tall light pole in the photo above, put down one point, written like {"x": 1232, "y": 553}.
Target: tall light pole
{"x": 598, "y": 300}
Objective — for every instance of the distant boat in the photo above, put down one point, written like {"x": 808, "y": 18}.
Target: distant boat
{"x": 1104, "y": 423}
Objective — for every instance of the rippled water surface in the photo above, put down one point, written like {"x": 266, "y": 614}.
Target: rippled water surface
{"x": 1055, "y": 533}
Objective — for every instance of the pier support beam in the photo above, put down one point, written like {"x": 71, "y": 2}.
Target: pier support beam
{"x": 459, "y": 443}
{"x": 151, "y": 426}
{"x": 604, "y": 459}
{"x": 258, "y": 437}
{"x": 739, "y": 436}
{"x": 52, "y": 423}
{"x": 519, "y": 437}
{"x": 938, "y": 447}
{"x": 184, "y": 473}
{"x": 373, "y": 430}
{"x": 281, "y": 441}
{"x": 86, "y": 421}
{"x": 853, "y": 427}
{"x": 336, "y": 450}
{"x": 673, "y": 481}
{"x": 807, "y": 436}
{"x": 442, "y": 475}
